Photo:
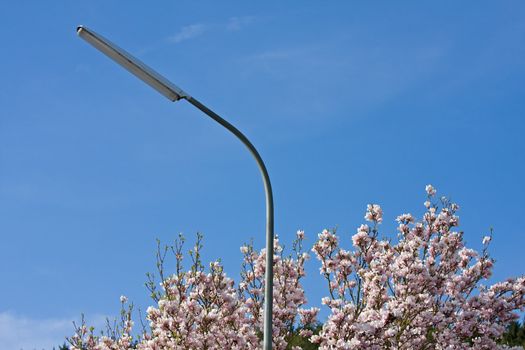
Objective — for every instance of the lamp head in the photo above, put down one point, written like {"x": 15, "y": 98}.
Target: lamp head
{"x": 132, "y": 64}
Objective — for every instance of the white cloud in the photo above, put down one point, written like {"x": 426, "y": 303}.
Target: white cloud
{"x": 188, "y": 32}
{"x": 236, "y": 23}
{"x": 19, "y": 332}
{"x": 197, "y": 29}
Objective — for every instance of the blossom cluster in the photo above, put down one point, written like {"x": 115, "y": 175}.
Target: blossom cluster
{"x": 199, "y": 309}
{"x": 421, "y": 290}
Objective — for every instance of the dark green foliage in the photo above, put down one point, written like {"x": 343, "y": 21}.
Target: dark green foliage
{"x": 515, "y": 335}
{"x": 62, "y": 347}
{"x": 302, "y": 342}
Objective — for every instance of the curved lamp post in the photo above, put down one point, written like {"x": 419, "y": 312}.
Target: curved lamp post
{"x": 174, "y": 93}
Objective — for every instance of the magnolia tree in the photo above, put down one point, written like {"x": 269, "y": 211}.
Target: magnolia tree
{"x": 199, "y": 309}
{"x": 423, "y": 290}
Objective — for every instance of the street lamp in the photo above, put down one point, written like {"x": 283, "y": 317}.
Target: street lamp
{"x": 174, "y": 93}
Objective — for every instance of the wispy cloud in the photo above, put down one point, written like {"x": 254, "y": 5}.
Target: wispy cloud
{"x": 237, "y": 23}
{"x": 274, "y": 60}
{"x": 19, "y": 332}
{"x": 271, "y": 55}
{"x": 197, "y": 29}
{"x": 188, "y": 32}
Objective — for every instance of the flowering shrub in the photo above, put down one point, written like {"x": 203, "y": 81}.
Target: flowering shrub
{"x": 203, "y": 310}
{"x": 422, "y": 291}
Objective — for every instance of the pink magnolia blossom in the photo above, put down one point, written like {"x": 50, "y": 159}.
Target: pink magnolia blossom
{"x": 422, "y": 291}
{"x": 202, "y": 309}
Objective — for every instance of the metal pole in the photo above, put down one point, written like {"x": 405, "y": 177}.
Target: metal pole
{"x": 174, "y": 93}
{"x": 268, "y": 282}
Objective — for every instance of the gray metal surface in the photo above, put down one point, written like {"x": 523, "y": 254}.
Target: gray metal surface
{"x": 132, "y": 64}
{"x": 268, "y": 281}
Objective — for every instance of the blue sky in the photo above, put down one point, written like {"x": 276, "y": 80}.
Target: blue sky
{"x": 349, "y": 103}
